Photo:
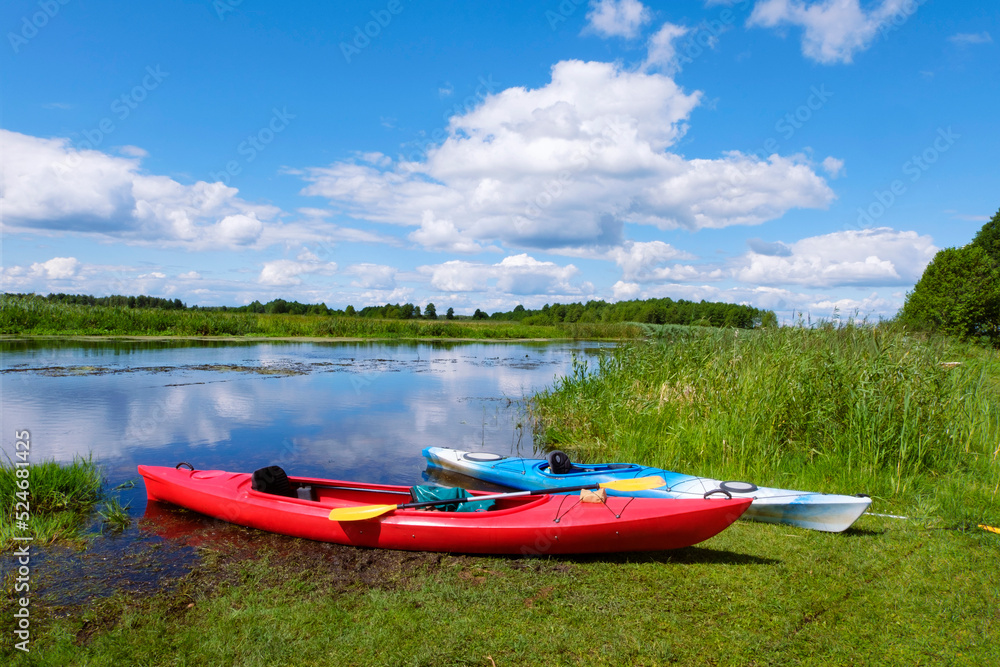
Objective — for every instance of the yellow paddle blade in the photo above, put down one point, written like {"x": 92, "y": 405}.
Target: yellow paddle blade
{"x": 359, "y": 513}
{"x": 635, "y": 484}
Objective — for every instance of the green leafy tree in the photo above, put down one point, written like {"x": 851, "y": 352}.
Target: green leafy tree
{"x": 958, "y": 294}
{"x": 988, "y": 238}
{"x": 430, "y": 312}
{"x": 450, "y": 315}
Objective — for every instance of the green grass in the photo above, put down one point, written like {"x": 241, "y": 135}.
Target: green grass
{"x": 36, "y": 317}
{"x": 840, "y": 410}
{"x": 114, "y": 515}
{"x": 888, "y": 593}
{"x": 61, "y": 498}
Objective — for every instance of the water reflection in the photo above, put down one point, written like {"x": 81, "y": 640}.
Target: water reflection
{"x": 356, "y": 411}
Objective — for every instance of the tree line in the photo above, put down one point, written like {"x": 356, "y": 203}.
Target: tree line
{"x": 651, "y": 311}
{"x": 648, "y": 311}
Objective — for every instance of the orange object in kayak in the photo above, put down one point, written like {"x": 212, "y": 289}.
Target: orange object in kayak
{"x": 525, "y": 524}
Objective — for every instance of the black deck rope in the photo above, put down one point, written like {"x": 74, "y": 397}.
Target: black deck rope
{"x": 562, "y": 501}
{"x": 618, "y": 515}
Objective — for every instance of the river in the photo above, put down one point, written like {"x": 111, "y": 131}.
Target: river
{"x": 347, "y": 410}
{"x": 359, "y": 411}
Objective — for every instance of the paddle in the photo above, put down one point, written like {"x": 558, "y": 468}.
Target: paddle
{"x": 363, "y": 512}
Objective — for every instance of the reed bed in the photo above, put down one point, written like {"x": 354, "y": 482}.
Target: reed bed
{"x": 912, "y": 421}
{"x": 34, "y": 316}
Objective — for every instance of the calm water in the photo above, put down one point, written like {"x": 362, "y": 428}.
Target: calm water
{"x": 356, "y": 411}
{"x": 352, "y": 411}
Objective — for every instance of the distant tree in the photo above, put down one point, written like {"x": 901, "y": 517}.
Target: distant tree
{"x": 988, "y": 238}
{"x": 480, "y": 315}
{"x": 318, "y": 309}
{"x": 430, "y": 312}
{"x": 349, "y": 311}
{"x": 276, "y": 307}
{"x": 450, "y": 315}
{"x": 958, "y": 294}
{"x": 768, "y": 319}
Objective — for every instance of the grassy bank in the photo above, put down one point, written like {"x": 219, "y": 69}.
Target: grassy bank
{"x": 58, "y": 497}
{"x": 38, "y": 317}
{"x": 914, "y": 422}
{"x": 886, "y": 593}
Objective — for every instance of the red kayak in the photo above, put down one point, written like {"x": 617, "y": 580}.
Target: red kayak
{"x": 516, "y": 524}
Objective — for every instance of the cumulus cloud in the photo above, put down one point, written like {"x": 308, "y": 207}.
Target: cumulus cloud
{"x": 566, "y": 165}
{"x": 833, "y": 30}
{"x": 57, "y": 268}
{"x": 519, "y": 275}
{"x": 286, "y": 272}
{"x": 616, "y": 18}
{"x": 641, "y": 260}
{"x": 879, "y": 256}
{"x": 52, "y": 186}
{"x": 871, "y": 257}
{"x": 624, "y": 291}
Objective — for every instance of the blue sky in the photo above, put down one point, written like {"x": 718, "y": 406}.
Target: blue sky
{"x": 795, "y": 155}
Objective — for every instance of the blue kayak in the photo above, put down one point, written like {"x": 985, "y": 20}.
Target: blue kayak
{"x": 817, "y": 511}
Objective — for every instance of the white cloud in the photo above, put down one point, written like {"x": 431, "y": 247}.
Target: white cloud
{"x": 53, "y": 187}
{"x": 458, "y": 276}
{"x": 442, "y": 235}
{"x": 833, "y": 166}
{"x": 518, "y": 275}
{"x": 879, "y": 256}
{"x": 565, "y": 166}
{"x": 834, "y": 30}
{"x": 624, "y": 291}
{"x": 57, "y": 268}
{"x": 640, "y": 260}
{"x": 373, "y": 276}
{"x": 661, "y": 54}
{"x": 285, "y": 272}
{"x": 523, "y": 275}
{"x": 239, "y": 229}
{"x": 617, "y": 18}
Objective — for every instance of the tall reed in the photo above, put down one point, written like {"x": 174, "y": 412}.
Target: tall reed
{"x": 839, "y": 409}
